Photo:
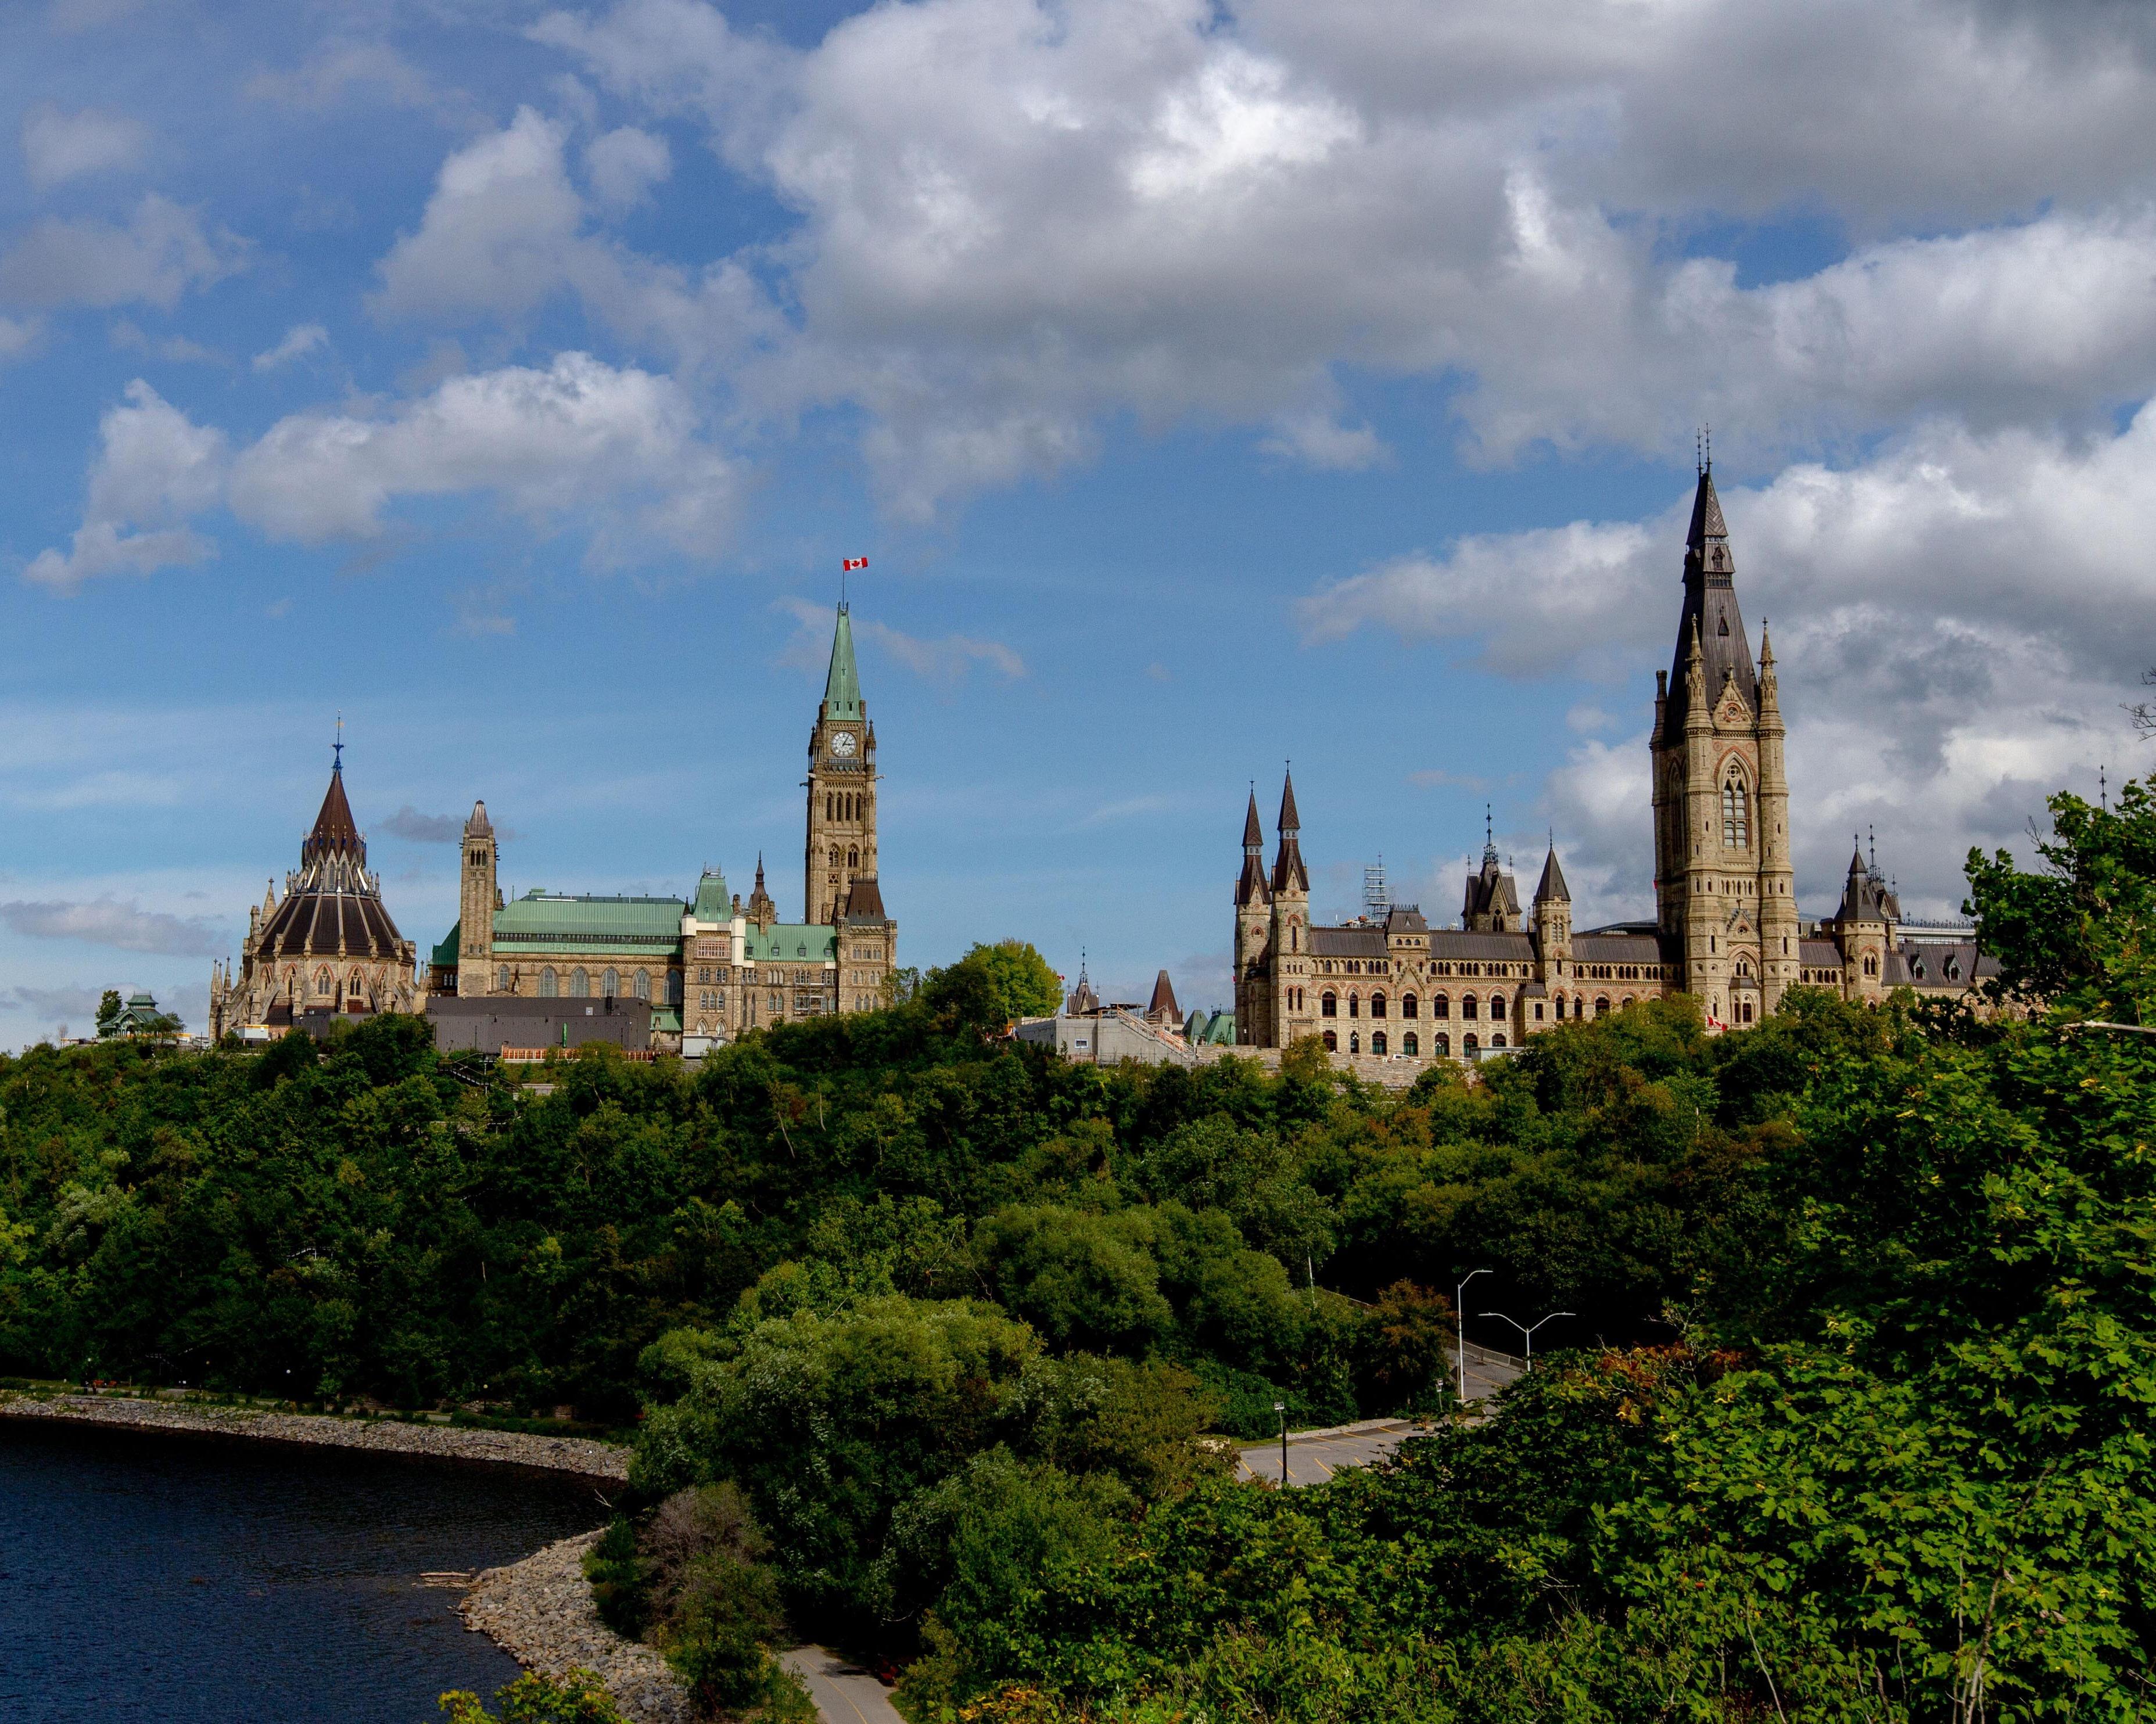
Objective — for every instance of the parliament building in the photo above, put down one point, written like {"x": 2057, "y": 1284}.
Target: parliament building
{"x": 1727, "y": 928}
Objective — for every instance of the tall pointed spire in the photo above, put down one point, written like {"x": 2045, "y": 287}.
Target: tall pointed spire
{"x": 1250, "y": 884}
{"x": 1711, "y": 612}
{"x": 1553, "y": 889}
{"x": 1254, "y": 835}
{"x": 1289, "y": 875}
{"x": 842, "y": 687}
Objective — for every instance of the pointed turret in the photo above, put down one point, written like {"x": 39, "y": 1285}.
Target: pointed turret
{"x": 478, "y": 824}
{"x": 761, "y": 910}
{"x": 842, "y": 686}
{"x": 1710, "y": 613}
{"x": 1289, "y": 875}
{"x": 1162, "y": 1008}
{"x": 1251, "y": 884}
{"x": 1553, "y": 889}
{"x": 335, "y": 831}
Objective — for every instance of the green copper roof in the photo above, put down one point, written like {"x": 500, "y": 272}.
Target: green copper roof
{"x": 713, "y": 902}
{"x": 446, "y": 953}
{"x": 547, "y": 921}
{"x": 842, "y": 688}
{"x": 803, "y": 942}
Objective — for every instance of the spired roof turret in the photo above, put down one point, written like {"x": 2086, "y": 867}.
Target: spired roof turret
{"x": 1251, "y": 884}
{"x": 1709, "y": 608}
{"x": 842, "y": 684}
{"x": 332, "y": 906}
{"x": 1553, "y": 889}
{"x": 1289, "y": 875}
{"x": 1162, "y": 1008}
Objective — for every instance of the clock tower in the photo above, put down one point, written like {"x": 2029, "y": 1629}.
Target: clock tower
{"x": 842, "y": 788}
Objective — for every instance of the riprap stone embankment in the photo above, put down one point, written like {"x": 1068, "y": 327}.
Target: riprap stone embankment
{"x": 581, "y": 1456}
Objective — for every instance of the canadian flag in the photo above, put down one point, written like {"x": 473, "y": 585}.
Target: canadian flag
{"x": 851, "y": 563}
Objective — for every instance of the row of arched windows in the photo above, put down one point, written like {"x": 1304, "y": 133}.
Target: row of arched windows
{"x": 1440, "y": 1045}
{"x": 853, "y": 856}
{"x": 1440, "y": 1005}
{"x": 325, "y": 983}
{"x": 580, "y": 984}
{"x": 842, "y": 805}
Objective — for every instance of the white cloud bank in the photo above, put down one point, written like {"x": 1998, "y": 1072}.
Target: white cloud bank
{"x": 58, "y": 147}
{"x": 621, "y": 447}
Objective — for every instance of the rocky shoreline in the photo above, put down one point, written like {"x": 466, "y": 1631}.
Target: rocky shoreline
{"x": 581, "y": 1456}
{"x": 540, "y": 1612}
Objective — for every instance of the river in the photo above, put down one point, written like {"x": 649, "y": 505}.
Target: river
{"x": 187, "y": 1581}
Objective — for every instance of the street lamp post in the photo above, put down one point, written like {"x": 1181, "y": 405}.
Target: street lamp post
{"x": 1528, "y": 1329}
{"x": 1460, "y": 1329}
{"x": 1281, "y": 1407}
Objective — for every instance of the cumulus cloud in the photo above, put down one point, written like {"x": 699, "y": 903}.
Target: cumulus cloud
{"x": 154, "y": 469}
{"x": 625, "y": 164}
{"x": 340, "y": 70}
{"x": 1016, "y": 221}
{"x": 948, "y": 658}
{"x": 107, "y": 922}
{"x": 408, "y": 823}
{"x": 300, "y": 341}
{"x": 58, "y": 147}
{"x": 157, "y": 254}
{"x": 1952, "y": 619}
{"x": 622, "y": 443}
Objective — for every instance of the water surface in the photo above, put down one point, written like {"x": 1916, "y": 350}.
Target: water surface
{"x": 189, "y": 1581}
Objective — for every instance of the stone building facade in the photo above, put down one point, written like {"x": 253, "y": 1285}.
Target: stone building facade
{"x": 712, "y": 966}
{"x": 1727, "y": 928}
{"x": 328, "y": 948}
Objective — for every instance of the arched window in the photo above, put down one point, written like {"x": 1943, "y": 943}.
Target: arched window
{"x": 1440, "y": 1005}
{"x": 674, "y": 980}
{"x": 1441, "y": 1045}
{"x": 610, "y": 983}
{"x": 1496, "y": 1005}
{"x": 1736, "y": 814}
{"x": 1469, "y": 1044}
{"x": 1559, "y": 1003}
{"x": 644, "y": 984}
{"x": 1377, "y": 1005}
{"x": 1409, "y": 1006}
{"x": 834, "y": 855}
{"x": 355, "y": 983}
{"x": 1378, "y": 1042}
{"x": 1354, "y": 1043}
{"x": 1355, "y": 1005}
{"x": 549, "y": 984}
{"x": 580, "y": 985}
{"x": 1328, "y": 1004}
{"x": 853, "y": 857}
{"x": 1294, "y": 937}
{"x": 1469, "y": 1006}
{"x": 324, "y": 982}
{"x": 1331, "y": 1043}
{"x": 1498, "y": 1039}
{"x": 1602, "y": 1006}
{"x": 1626, "y": 1001}
{"x": 1744, "y": 1011}
{"x": 1409, "y": 1046}
{"x": 1870, "y": 965}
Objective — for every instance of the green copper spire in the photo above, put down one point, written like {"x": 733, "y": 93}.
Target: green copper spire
{"x": 842, "y": 689}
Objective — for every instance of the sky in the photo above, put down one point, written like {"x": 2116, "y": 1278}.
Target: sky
{"x": 1210, "y": 385}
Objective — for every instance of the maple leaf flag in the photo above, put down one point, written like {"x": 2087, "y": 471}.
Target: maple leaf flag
{"x": 851, "y": 563}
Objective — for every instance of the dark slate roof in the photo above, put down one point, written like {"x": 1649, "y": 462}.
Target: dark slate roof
{"x": 1819, "y": 954}
{"x": 1863, "y": 898}
{"x": 1254, "y": 835}
{"x": 1710, "y": 605}
{"x": 1288, "y": 872}
{"x": 1940, "y": 963}
{"x": 1250, "y": 884}
{"x": 1405, "y": 918}
{"x": 864, "y": 901}
{"x": 1348, "y": 942}
{"x": 1625, "y": 949}
{"x": 1489, "y": 892}
{"x": 321, "y": 924}
{"x": 1450, "y": 943}
{"x": 1553, "y": 889}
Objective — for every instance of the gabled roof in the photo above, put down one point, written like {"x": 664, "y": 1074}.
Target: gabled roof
{"x": 713, "y": 902}
{"x": 864, "y": 902}
{"x": 796, "y": 942}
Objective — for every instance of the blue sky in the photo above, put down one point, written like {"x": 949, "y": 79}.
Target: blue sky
{"x": 1209, "y": 385}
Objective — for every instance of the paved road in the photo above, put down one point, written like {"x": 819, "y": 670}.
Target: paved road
{"x": 1314, "y": 1456}
{"x": 844, "y": 1693}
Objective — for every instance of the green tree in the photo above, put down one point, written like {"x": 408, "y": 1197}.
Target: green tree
{"x": 992, "y": 985}
{"x": 109, "y": 1008}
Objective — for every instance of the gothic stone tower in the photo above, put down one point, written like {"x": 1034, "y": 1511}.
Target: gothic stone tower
{"x": 1724, "y": 890}
{"x": 478, "y": 898}
{"x": 1289, "y": 1011}
{"x": 842, "y": 788}
{"x": 1253, "y": 919}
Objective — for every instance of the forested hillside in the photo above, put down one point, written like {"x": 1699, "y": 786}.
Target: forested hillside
{"x": 927, "y": 1329}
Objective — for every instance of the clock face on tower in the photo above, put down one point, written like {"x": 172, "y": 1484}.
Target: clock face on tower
{"x": 843, "y": 746}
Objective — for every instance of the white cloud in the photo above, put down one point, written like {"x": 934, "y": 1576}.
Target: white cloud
{"x": 155, "y": 468}
{"x": 159, "y": 254}
{"x": 948, "y": 658}
{"x": 1954, "y": 620}
{"x": 625, "y": 164}
{"x": 59, "y": 146}
{"x": 622, "y": 443}
{"x": 1016, "y": 221}
{"x": 300, "y": 341}
{"x": 341, "y": 69}
{"x": 106, "y": 921}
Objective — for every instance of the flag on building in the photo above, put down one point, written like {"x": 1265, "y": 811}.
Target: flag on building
{"x": 851, "y": 563}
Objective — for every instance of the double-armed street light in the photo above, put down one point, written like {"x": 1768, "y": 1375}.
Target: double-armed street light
{"x": 1459, "y": 1329}
{"x": 1528, "y": 1329}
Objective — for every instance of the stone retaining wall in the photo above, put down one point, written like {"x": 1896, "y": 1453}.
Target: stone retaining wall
{"x": 581, "y": 1456}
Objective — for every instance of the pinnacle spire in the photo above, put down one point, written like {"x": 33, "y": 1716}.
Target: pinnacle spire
{"x": 842, "y": 685}
{"x": 1289, "y": 821}
{"x": 1289, "y": 875}
{"x": 1553, "y": 889}
{"x": 1489, "y": 838}
{"x": 1254, "y": 835}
